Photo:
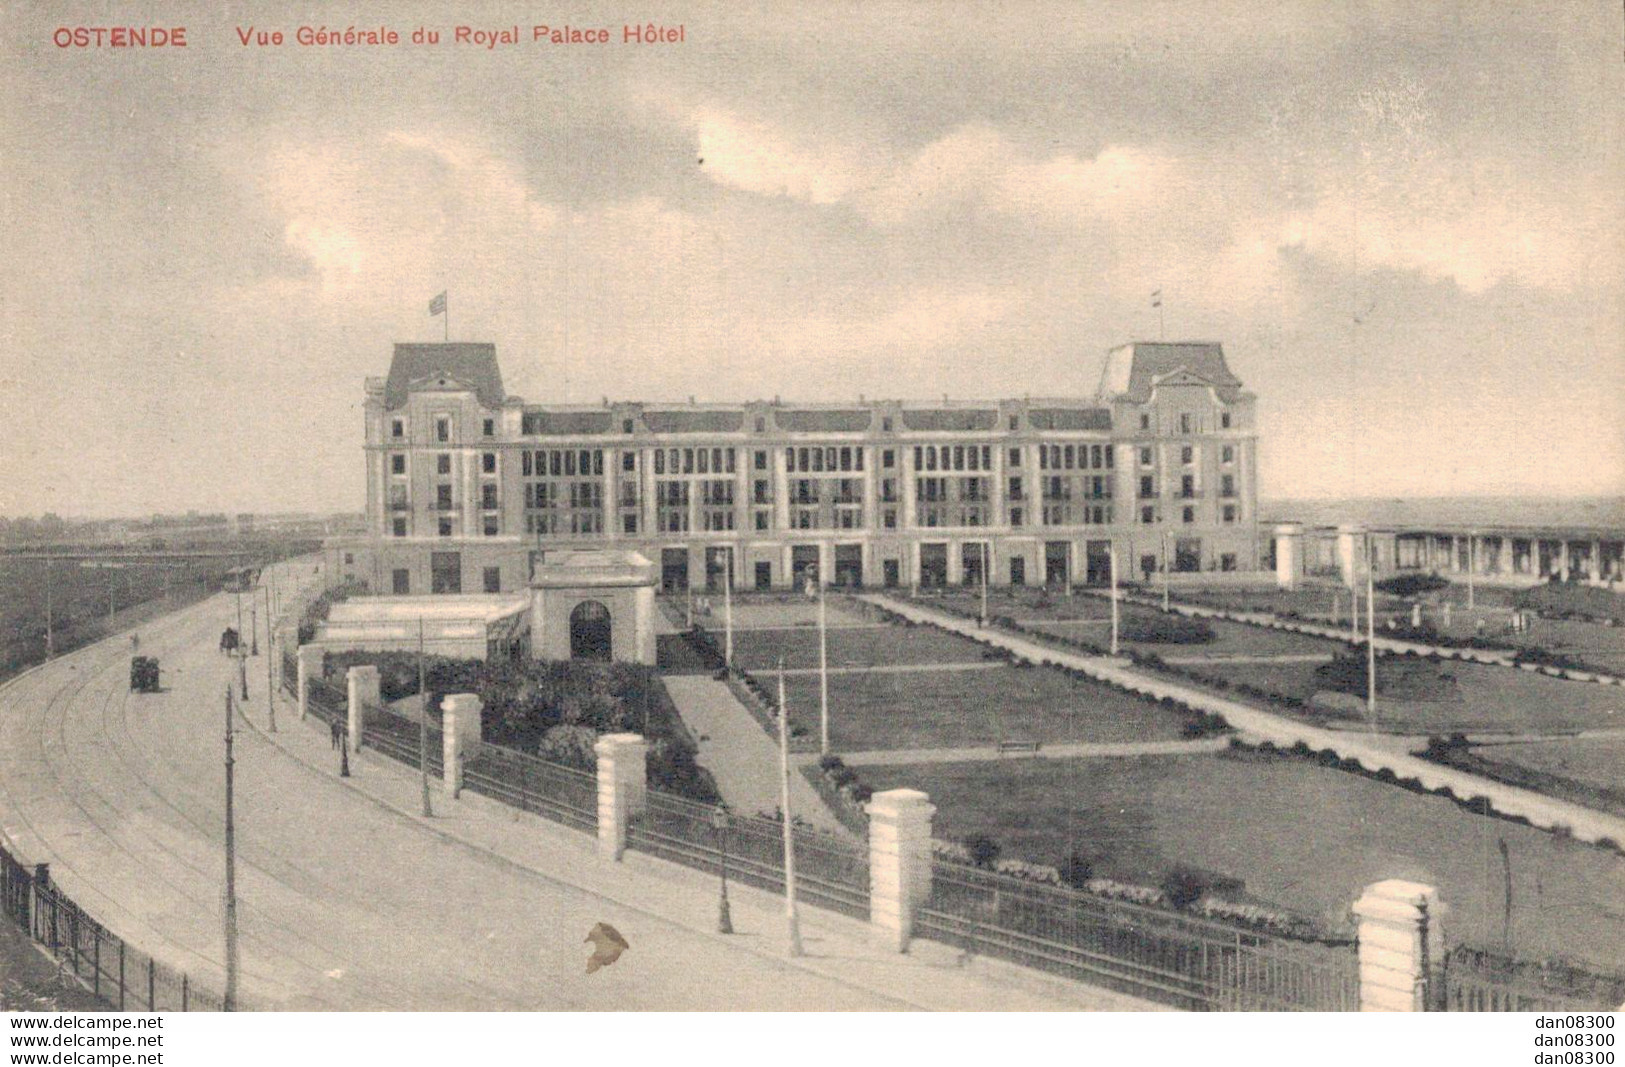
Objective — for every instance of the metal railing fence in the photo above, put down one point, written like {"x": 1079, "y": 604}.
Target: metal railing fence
{"x": 1183, "y": 960}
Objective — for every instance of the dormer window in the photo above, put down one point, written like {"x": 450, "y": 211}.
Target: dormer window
{"x": 761, "y": 424}
{"x": 489, "y": 427}
{"x": 442, "y": 428}
{"x": 885, "y": 424}
{"x": 626, "y": 425}
{"x": 1224, "y": 420}
{"x": 1015, "y": 423}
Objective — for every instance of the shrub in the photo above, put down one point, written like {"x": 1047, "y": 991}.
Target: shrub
{"x": 1409, "y": 585}
{"x": 984, "y": 851}
{"x": 1184, "y": 886}
{"x": 1077, "y": 870}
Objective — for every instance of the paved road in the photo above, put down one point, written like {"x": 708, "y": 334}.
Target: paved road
{"x": 349, "y": 900}
{"x": 1079, "y": 750}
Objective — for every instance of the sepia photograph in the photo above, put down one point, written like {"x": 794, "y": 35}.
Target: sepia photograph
{"x": 1113, "y": 506}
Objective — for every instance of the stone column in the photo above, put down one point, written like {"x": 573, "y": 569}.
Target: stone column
{"x": 622, "y": 787}
{"x": 899, "y": 862}
{"x": 1400, "y": 942}
{"x": 362, "y": 686}
{"x": 1288, "y": 554}
{"x": 459, "y": 737}
{"x": 310, "y": 668}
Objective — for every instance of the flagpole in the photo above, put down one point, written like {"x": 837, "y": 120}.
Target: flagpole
{"x": 446, "y": 315}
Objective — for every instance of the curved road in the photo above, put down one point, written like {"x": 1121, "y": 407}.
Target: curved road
{"x": 349, "y": 900}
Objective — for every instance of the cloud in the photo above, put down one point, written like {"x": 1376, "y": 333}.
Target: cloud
{"x": 759, "y": 158}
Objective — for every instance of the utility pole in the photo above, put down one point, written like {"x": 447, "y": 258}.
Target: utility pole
{"x": 254, "y": 625}
{"x": 1370, "y": 636}
{"x": 50, "y": 621}
{"x": 823, "y": 673}
{"x": 270, "y": 660}
{"x": 784, "y": 806}
{"x": 230, "y": 1000}
{"x": 984, "y": 584}
{"x": 1113, "y": 558}
{"x": 1166, "y": 566}
{"x": 423, "y": 725}
{"x": 728, "y": 613}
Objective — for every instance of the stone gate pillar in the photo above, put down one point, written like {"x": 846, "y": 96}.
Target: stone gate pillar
{"x": 899, "y": 862}
{"x": 622, "y": 788}
{"x": 1400, "y": 944}
{"x": 362, "y": 689}
{"x": 459, "y": 737}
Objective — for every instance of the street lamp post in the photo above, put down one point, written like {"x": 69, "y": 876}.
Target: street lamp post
{"x": 230, "y": 918}
{"x": 784, "y": 810}
{"x": 1370, "y": 635}
{"x": 728, "y": 613}
{"x": 823, "y": 674}
{"x": 50, "y": 621}
{"x": 254, "y": 625}
{"x": 984, "y": 583}
{"x": 1113, "y": 566}
{"x": 270, "y": 661}
{"x": 719, "y": 822}
{"x": 423, "y": 725}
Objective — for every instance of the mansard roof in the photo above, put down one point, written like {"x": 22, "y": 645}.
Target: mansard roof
{"x": 471, "y": 363}
{"x": 1132, "y": 369}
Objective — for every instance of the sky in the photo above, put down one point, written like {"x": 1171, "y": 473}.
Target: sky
{"x": 1402, "y": 220}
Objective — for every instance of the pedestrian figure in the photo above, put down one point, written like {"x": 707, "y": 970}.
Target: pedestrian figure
{"x": 335, "y": 729}
{"x": 135, "y": 643}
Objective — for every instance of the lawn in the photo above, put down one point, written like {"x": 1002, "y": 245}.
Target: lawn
{"x": 952, "y": 709}
{"x": 1298, "y": 836}
{"x": 1486, "y": 698}
{"x": 1594, "y": 761}
{"x": 869, "y": 646}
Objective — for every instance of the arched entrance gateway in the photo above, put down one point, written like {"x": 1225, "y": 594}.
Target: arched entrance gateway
{"x": 590, "y": 631}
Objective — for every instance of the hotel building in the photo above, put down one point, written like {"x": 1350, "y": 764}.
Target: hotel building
{"x": 469, "y": 488}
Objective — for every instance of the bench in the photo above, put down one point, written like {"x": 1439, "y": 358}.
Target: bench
{"x": 1019, "y": 748}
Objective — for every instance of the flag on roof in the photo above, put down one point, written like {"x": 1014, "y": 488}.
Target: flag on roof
{"x": 437, "y": 306}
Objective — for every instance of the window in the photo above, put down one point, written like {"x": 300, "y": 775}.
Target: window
{"x": 400, "y": 528}
{"x": 1227, "y": 561}
{"x": 1148, "y": 486}
{"x": 660, "y": 461}
{"x": 442, "y": 464}
{"x": 1145, "y": 421}
{"x": 488, "y": 462}
{"x": 1015, "y": 516}
{"x": 445, "y": 527}
{"x": 1187, "y": 455}
{"x": 401, "y": 581}
{"x": 626, "y": 425}
{"x": 397, "y": 427}
{"x": 489, "y": 427}
{"x": 761, "y": 520}
{"x": 1184, "y": 424}
{"x": 1187, "y": 486}
{"x": 492, "y": 526}
{"x": 442, "y": 427}
{"x": 1227, "y": 485}
{"x": 761, "y": 424}
{"x": 1015, "y": 488}
{"x": 442, "y": 500}
{"x": 397, "y": 463}
{"x": 885, "y": 424}
{"x": 888, "y": 518}
{"x": 1230, "y": 513}
{"x": 1148, "y": 516}
{"x": 1145, "y": 457}
{"x": 1228, "y": 454}
{"x": 493, "y": 579}
{"x": 488, "y": 497}
{"x": 888, "y": 458}
{"x": 1189, "y": 515}
{"x": 1015, "y": 457}
{"x": 1224, "y": 421}
{"x": 759, "y": 460}
{"x": 1015, "y": 423}
{"x": 629, "y": 462}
